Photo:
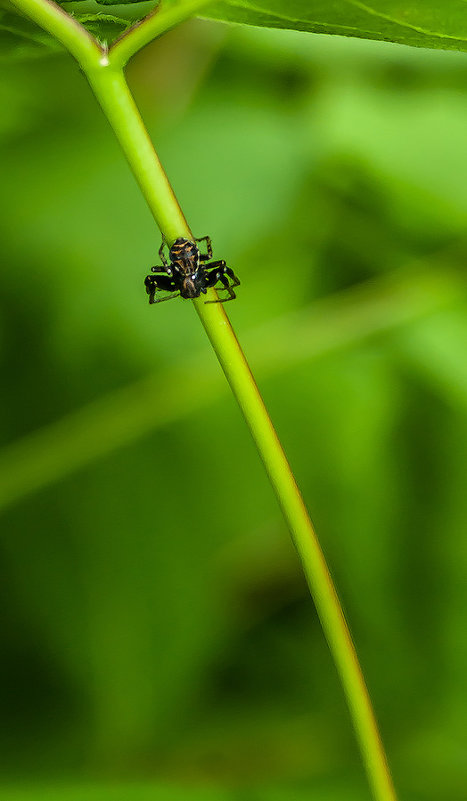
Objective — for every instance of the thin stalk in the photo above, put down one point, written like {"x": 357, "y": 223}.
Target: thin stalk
{"x": 113, "y": 94}
{"x": 243, "y": 385}
{"x": 116, "y": 101}
{"x": 159, "y": 21}
{"x": 114, "y": 97}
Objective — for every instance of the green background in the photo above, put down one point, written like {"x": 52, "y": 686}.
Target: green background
{"x": 158, "y": 641}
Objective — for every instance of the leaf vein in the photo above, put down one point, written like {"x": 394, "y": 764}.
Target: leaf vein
{"x": 403, "y": 24}
{"x": 324, "y": 26}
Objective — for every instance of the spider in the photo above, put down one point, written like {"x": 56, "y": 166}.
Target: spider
{"x": 188, "y": 273}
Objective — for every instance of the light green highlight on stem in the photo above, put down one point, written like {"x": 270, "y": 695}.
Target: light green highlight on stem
{"x": 113, "y": 95}
{"x": 159, "y": 21}
{"x": 319, "y": 580}
{"x": 116, "y": 101}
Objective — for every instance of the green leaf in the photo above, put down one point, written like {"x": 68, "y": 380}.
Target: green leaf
{"x": 125, "y": 12}
{"x": 422, "y": 23}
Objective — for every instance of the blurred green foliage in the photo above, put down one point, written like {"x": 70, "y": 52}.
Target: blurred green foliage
{"x": 155, "y": 625}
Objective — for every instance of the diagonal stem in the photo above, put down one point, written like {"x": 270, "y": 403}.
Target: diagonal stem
{"x": 243, "y": 385}
{"x": 115, "y": 98}
{"x": 158, "y": 22}
{"x": 122, "y": 416}
{"x": 113, "y": 95}
{"x": 116, "y": 101}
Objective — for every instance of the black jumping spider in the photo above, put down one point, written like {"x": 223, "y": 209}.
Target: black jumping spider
{"x": 188, "y": 273}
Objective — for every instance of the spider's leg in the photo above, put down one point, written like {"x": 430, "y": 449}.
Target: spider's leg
{"x": 161, "y": 253}
{"x": 221, "y": 267}
{"x": 225, "y": 281}
{"x": 151, "y": 287}
{"x": 205, "y": 256}
{"x": 219, "y": 272}
{"x": 231, "y": 274}
{"x": 167, "y": 297}
{"x": 216, "y": 267}
{"x": 159, "y": 268}
{"x": 160, "y": 282}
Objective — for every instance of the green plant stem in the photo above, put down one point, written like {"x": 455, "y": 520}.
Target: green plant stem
{"x": 327, "y": 326}
{"x": 116, "y": 101}
{"x": 159, "y": 21}
{"x": 319, "y": 580}
{"x": 115, "y": 98}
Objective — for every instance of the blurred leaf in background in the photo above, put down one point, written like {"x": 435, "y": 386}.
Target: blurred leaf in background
{"x": 155, "y": 624}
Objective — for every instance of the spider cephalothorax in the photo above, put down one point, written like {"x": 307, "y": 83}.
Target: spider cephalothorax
{"x": 189, "y": 273}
